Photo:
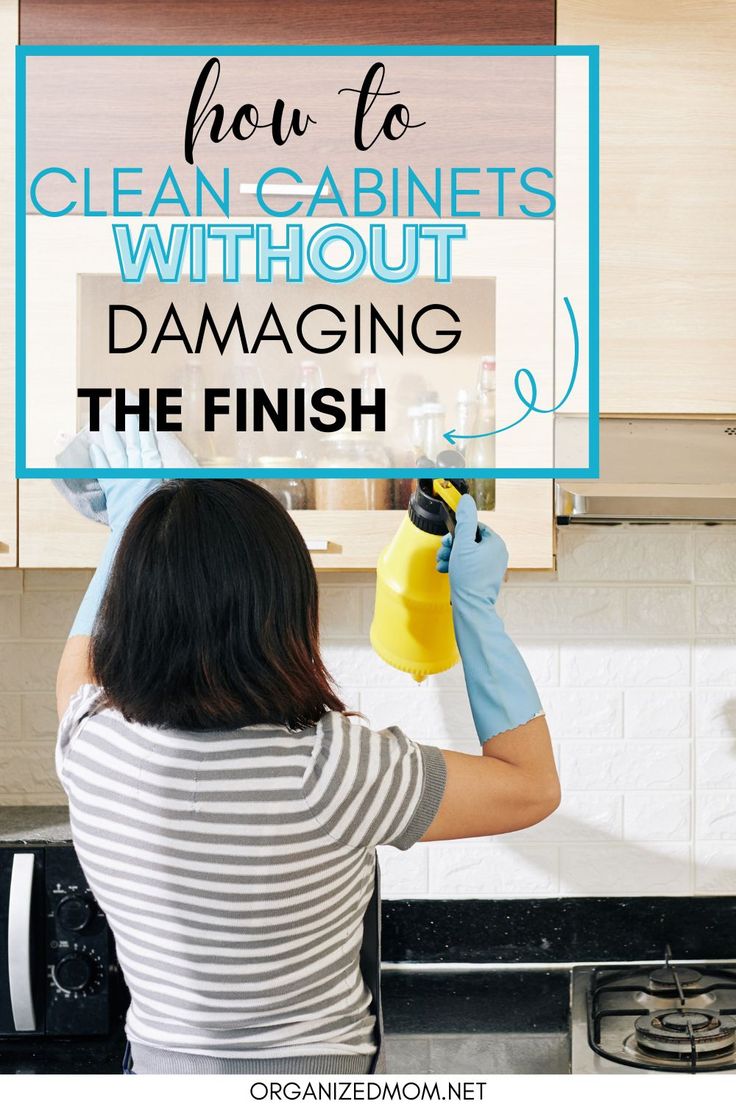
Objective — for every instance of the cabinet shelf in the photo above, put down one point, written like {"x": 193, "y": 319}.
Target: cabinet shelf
{"x": 53, "y": 535}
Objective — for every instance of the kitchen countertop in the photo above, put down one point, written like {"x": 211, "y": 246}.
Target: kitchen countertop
{"x": 39, "y": 1056}
{"x": 34, "y": 824}
{"x": 436, "y": 1022}
{"x": 476, "y": 1021}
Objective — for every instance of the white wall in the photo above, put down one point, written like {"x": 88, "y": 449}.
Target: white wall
{"x": 633, "y": 645}
{"x": 631, "y": 650}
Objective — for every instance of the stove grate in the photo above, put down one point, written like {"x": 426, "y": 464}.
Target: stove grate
{"x": 606, "y": 980}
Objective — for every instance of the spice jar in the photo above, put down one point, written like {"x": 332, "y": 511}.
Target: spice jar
{"x": 362, "y": 493}
{"x": 291, "y": 491}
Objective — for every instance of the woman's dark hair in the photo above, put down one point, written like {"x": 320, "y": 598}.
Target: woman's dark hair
{"x": 209, "y": 619}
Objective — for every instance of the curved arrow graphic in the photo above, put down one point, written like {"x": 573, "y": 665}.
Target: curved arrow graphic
{"x": 530, "y": 403}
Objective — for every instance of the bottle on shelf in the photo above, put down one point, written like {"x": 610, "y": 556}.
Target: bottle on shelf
{"x": 409, "y": 456}
{"x": 481, "y": 450}
{"x": 250, "y": 445}
{"x": 466, "y": 412}
{"x": 200, "y": 444}
{"x": 433, "y": 426}
{"x": 308, "y": 442}
{"x": 291, "y": 491}
{"x": 345, "y": 449}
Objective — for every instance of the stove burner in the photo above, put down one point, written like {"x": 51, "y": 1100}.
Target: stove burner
{"x": 680, "y": 1032}
{"x": 663, "y": 980}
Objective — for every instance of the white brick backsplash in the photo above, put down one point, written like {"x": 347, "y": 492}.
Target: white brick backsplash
{"x": 11, "y": 580}
{"x": 625, "y": 869}
{"x": 482, "y": 868}
{"x": 453, "y": 679}
{"x": 577, "y": 713}
{"x": 340, "y": 613}
{"x": 613, "y": 644}
{"x": 653, "y": 713}
{"x": 625, "y": 765}
{"x": 715, "y": 554}
{"x": 627, "y": 554}
{"x": 639, "y": 663}
{"x": 715, "y": 816}
{"x": 9, "y": 616}
{"x": 580, "y": 817}
{"x": 49, "y": 614}
{"x": 27, "y": 771}
{"x": 666, "y": 610}
{"x": 560, "y": 609}
{"x": 66, "y": 579}
{"x": 38, "y": 716}
{"x": 715, "y": 764}
{"x": 29, "y": 666}
{"x": 10, "y": 707}
{"x": 353, "y": 664}
{"x": 715, "y": 662}
{"x": 715, "y": 609}
{"x": 715, "y": 713}
{"x": 404, "y": 873}
{"x": 367, "y": 606}
{"x": 543, "y": 660}
{"x": 667, "y": 818}
{"x": 440, "y": 717}
{"x": 715, "y": 867}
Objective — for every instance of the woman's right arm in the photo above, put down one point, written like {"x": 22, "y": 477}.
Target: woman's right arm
{"x": 514, "y": 783}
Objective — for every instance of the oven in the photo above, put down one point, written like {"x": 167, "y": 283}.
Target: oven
{"x": 58, "y": 973}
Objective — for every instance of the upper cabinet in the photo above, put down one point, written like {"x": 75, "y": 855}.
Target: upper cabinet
{"x": 8, "y": 488}
{"x": 51, "y": 534}
{"x": 289, "y": 21}
{"x": 668, "y": 203}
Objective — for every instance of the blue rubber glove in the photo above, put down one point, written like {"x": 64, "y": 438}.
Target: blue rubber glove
{"x": 122, "y": 496}
{"x": 501, "y": 691}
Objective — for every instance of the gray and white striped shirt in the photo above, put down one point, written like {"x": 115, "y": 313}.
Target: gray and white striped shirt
{"x": 235, "y": 868}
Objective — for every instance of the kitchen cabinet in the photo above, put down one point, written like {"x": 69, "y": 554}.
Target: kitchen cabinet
{"x": 668, "y": 204}
{"x": 50, "y": 533}
{"x": 8, "y": 488}
{"x": 328, "y": 21}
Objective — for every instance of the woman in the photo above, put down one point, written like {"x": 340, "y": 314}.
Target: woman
{"x": 224, "y": 806}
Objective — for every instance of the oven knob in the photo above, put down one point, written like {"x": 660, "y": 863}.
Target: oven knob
{"x": 73, "y": 973}
{"x": 74, "y": 913}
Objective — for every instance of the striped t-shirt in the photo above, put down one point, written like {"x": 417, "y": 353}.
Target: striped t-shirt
{"x": 235, "y": 868}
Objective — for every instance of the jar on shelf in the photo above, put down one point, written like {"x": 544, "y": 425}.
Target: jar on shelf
{"x": 345, "y": 450}
{"x": 481, "y": 448}
{"x": 291, "y": 491}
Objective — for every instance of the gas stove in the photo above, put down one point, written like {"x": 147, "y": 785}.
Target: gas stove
{"x": 674, "y": 1018}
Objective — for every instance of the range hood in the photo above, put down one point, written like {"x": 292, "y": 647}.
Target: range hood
{"x": 653, "y": 470}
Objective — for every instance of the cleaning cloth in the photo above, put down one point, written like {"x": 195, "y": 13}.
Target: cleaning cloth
{"x": 85, "y": 494}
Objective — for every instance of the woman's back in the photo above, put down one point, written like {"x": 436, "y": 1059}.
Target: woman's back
{"x": 235, "y": 868}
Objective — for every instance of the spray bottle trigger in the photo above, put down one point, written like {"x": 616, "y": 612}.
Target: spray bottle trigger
{"x": 450, "y": 494}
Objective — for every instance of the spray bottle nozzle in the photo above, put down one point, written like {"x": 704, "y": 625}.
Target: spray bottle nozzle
{"x": 450, "y": 491}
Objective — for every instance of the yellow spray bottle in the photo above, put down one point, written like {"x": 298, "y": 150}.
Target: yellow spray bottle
{"x": 412, "y": 622}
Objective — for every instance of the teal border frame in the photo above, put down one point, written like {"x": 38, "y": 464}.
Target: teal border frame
{"x": 592, "y": 471}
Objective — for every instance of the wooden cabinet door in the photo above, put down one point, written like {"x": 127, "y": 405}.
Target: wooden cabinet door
{"x": 668, "y": 202}
{"x": 52, "y": 535}
{"x": 289, "y": 21}
{"x": 8, "y": 487}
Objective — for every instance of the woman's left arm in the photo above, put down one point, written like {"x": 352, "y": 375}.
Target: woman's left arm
{"x": 123, "y": 495}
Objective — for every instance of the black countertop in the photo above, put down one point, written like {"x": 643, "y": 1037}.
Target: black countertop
{"x": 40, "y": 1056}
{"x": 436, "y": 1021}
